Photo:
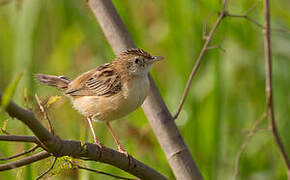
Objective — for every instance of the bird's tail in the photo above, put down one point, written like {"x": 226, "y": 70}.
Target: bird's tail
{"x": 60, "y": 82}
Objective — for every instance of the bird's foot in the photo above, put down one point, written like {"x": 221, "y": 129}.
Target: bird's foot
{"x": 101, "y": 146}
{"x": 121, "y": 150}
{"x": 98, "y": 143}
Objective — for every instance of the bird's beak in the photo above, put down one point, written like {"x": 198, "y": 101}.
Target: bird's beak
{"x": 156, "y": 58}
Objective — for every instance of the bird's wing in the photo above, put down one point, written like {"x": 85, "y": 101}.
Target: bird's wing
{"x": 102, "y": 81}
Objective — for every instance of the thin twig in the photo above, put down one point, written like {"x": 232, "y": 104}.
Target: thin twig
{"x": 204, "y": 25}
{"x": 20, "y": 154}
{"x": 216, "y": 47}
{"x": 281, "y": 30}
{"x": 269, "y": 87}
{"x": 245, "y": 142}
{"x": 247, "y": 18}
{"x": 256, "y": 22}
{"x": 254, "y": 6}
{"x": 16, "y": 138}
{"x": 43, "y": 111}
{"x": 101, "y": 172}
{"x": 47, "y": 171}
{"x": 198, "y": 61}
{"x": 25, "y": 161}
{"x": 259, "y": 129}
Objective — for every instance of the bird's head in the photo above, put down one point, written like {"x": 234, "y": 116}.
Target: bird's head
{"x": 137, "y": 61}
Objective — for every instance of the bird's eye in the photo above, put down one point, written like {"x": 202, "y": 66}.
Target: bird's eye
{"x": 137, "y": 60}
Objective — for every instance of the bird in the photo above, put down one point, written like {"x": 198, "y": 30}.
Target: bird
{"x": 110, "y": 91}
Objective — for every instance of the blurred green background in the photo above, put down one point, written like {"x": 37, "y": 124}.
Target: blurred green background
{"x": 227, "y": 96}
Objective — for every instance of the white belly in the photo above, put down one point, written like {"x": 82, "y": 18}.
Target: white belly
{"x": 117, "y": 106}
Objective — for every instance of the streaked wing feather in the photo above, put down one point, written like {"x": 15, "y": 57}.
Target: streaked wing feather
{"x": 102, "y": 81}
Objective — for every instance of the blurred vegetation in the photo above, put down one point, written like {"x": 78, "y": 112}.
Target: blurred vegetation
{"x": 227, "y": 96}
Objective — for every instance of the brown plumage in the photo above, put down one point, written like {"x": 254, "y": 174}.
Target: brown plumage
{"x": 102, "y": 81}
{"x": 110, "y": 91}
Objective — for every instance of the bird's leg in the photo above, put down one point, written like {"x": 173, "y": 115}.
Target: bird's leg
{"x": 120, "y": 148}
{"x": 93, "y": 131}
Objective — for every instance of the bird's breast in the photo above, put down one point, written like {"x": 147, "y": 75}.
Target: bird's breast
{"x": 114, "y": 107}
{"x": 135, "y": 92}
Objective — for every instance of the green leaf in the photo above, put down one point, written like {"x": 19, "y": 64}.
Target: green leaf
{"x": 9, "y": 91}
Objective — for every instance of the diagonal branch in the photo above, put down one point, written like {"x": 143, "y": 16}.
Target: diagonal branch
{"x": 48, "y": 170}
{"x": 269, "y": 87}
{"x": 222, "y": 14}
{"x": 20, "y": 154}
{"x": 253, "y": 7}
{"x": 25, "y": 161}
{"x": 165, "y": 129}
{"x": 44, "y": 113}
{"x": 59, "y": 147}
{"x": 246, "y": 140}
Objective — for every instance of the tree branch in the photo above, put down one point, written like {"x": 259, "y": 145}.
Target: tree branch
{"x": 44, "y": 113}
{"x": 198, "y": 61}
{"x": 246, "y": 140}
{"x": 25, "y": 161}
{"x": 20, "y": 154}
{"x": 77, "y": 149}
{"x": 165, "y": 129}
{"x": 16, "y": 138}
{"x": 269, "y": 87}
{"x": 48, "y": 170}
{"x": 246, "y": 16}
